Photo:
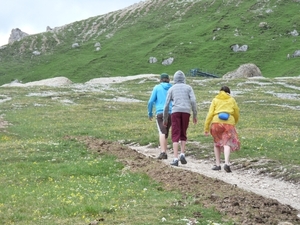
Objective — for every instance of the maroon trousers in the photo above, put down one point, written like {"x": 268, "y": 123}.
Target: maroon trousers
{"x": 180, "y": 123}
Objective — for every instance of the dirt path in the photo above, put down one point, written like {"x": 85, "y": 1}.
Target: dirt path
{"x": 284, "y": 192}
{"x": 228, "y": 197}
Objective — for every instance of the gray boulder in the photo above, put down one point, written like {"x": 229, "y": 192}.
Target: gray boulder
{"x": 36, "y": 53}
{"x": 237, "y": 48}
{"x": 168, "y": 61}
{"x": 16, "y": 35}
{"x": 48, "y": 28}
{"x": 244, "y": 71}
{"x": 97, "y": 45}
{"x": 75, "y": 45}
{"x": 294, "y": 33}
{"x": 263, "y": 25}
{"x": 296, "y": 53}
{"x": 152, "y": 60}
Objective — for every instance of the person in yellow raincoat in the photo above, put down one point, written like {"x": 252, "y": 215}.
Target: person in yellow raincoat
{"x": 220, "y": 121}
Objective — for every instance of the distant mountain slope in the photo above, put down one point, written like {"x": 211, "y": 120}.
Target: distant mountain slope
{"x": 195, "y": 33}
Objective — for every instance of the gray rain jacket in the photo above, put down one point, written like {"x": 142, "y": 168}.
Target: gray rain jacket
{"x": 182, "y": 97}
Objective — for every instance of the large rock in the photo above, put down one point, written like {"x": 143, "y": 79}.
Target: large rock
{"x": 294, "y": 33}
{"x": 75, "y": 45}
{"x": 263, "y": 25}
{"x": 244, "y": 71}
{"x": 16, "y": 35}
{"x": 237, "y": 48}
{"x": 48, "y": 28}
{"x": 36, "y": 53}
{"x": 52, "y": 82}
{"x": 296, "y": 53}
{"x": 152, "y": 60}
{"x": 97, "y": 45}
{"x": 168, "y": 61}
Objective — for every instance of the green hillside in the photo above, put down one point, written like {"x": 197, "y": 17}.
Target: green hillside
{"x": 197, "y": 34}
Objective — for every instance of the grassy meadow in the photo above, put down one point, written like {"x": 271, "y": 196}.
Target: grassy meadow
{"x": 47, "y": 179}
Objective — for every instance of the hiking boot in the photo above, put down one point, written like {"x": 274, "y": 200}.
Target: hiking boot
{"x": 163, "y": 155}
{"x": 215, "y": 167}
{"x": 227, "y": 168}
{"x": 182, "y": 159}
{"x": 174, "y": 163}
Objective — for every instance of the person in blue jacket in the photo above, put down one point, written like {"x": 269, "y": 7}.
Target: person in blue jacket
{"x": 158, "y": 98}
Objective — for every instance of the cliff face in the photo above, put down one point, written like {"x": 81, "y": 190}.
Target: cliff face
{"x": 16, "y": 35}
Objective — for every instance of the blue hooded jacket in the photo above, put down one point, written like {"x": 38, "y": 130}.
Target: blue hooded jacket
{"x": 158, "y": 97}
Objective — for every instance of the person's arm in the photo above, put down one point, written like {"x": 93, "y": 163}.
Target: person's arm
{"x": 194, "y": 105}
{"x": 151, "y": 102}
{"x": 166, "y": 107}
{"x": 209, "y": 117}
{"x": 236, "y": 113}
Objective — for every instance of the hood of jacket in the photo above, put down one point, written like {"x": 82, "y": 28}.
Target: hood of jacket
{"x": 179, "y": 77}
{"x": 223, "y": 95}
{"x": 166, "y": 85}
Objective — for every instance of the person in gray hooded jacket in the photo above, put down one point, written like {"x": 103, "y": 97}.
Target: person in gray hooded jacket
{"x": 183, "y": 102}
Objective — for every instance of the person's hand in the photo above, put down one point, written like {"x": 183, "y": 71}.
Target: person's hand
{"x": 150, "y": 118}
{"x": 165, "y": 124}
{"x": 206, "y": 133}
{"x": 195, "y": 121}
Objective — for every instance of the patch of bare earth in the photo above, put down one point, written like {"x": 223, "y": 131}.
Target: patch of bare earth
{"x": 3, "y": 123}
{"x": 242, "y": 206}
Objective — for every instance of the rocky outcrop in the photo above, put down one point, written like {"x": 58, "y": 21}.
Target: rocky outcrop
{"x": 294, "y": 33}
{"x": 48, "y": 28}
{"x": 237, "y": 48}
{"x": 97, "y": 46}
{"x": 263, "y": 25}
{"x": 296, "y": 53}
{"x": 244, "y": 71}
{"x": 152, "y": 60}
{"x": 168, "y": 61}
{"x": 16, "y": 35}
{"x": 36, "y": 53}
{"x": 52, "y": 82}
{"x": 75, "y": 45}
